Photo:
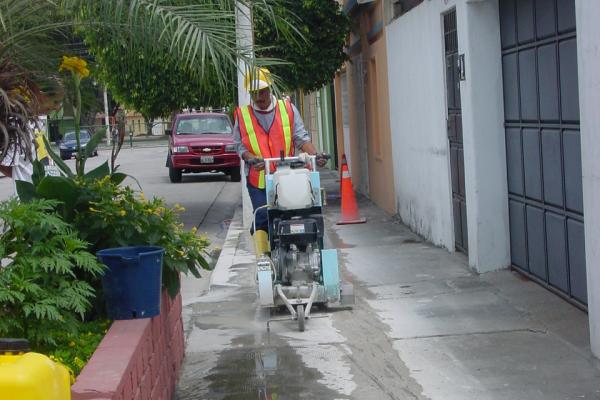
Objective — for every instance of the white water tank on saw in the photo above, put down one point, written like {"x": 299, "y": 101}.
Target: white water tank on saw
{"x": 293, "y": 189}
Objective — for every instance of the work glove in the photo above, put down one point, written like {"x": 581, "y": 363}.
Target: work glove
{"x": 257, "y": 163}
{"x": 322, "y": 159}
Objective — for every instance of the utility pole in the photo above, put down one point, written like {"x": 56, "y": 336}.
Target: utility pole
{"x": 245, "y": 42}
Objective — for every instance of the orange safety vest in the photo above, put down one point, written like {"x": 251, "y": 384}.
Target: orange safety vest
{"x": 266, "y": 144}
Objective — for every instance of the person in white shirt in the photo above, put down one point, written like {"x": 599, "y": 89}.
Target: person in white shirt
{"x": 17, "y": 165}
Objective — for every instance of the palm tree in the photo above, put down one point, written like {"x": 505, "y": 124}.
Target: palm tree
{"x": 26, "y": 51}
{"x": 34, "y": 35}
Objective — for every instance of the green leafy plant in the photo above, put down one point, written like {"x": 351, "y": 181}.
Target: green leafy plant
{"x": 78, "y": 70}
{"x": 72, "y": 197}
{"x": 109, "y": 215}
{"x": 74, "y": 350}
{"x": 169, "y": 85}
{"x": 40, "y": 294}
{"x": 312, "y": 62}
{"x": 200, "y": 34}
{"x": 119, "y": 216}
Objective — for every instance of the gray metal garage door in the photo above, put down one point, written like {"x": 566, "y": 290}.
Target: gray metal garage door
{"x": 539, "y": 56}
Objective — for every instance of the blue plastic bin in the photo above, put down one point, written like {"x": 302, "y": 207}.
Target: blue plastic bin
{"x": 132, "y": 282}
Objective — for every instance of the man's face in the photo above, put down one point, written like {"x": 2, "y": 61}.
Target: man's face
{"x": 261, "y": 98}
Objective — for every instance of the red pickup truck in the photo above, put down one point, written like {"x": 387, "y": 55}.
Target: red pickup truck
{"x": 202, "y": 142}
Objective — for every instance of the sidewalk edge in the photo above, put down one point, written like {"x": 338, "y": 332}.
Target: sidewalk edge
{"x": 220, "y": 274}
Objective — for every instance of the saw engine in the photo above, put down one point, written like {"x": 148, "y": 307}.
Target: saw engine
{"x": 297, "y": 252}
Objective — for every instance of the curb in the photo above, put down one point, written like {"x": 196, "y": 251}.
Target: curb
{"x": 220, "y": 275}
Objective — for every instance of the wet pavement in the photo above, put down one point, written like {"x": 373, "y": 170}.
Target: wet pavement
{"x": 424, "y": 326}
{"x": 343, "y": 354}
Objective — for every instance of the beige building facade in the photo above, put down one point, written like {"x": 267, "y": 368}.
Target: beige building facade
{"x": 362, "y": 106}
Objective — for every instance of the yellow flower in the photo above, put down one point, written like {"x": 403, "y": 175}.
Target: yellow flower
{"x": 71, "y": 344}
{"x": 21, "y": 91}
{"x": 76, "y": 65}
{"x": 79, "y": 362}
{"x": 122, "y": 213}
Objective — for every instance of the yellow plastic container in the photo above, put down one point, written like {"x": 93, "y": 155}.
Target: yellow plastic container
{"x": 32, "y": 376}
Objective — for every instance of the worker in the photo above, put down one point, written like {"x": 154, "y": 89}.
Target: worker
{"x": 262, "y": 130}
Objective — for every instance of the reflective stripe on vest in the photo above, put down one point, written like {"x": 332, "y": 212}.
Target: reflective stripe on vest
{"x": 253, "y": 141}
{"x": 267, "y": 144}
{"x": 287, "y": 129}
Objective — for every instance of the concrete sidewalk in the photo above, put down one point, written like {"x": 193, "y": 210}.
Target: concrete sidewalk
{"x": 463, "y": 335}
{"x": 424, "y": 327}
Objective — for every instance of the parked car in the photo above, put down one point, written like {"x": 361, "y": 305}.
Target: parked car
{"x": 68, "y": 144}
{"x": 202, "y": 142}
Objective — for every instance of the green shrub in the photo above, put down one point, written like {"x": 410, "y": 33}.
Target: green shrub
{"x": 109, "y": 215}
{"x": 41, "y": 255}
{"x": 118, "y": 216}
{"x": 75, "y": 350}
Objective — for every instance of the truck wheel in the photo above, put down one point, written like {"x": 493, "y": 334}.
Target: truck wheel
{"x": 235, "y": 175}
{"x": 174, "y": 175}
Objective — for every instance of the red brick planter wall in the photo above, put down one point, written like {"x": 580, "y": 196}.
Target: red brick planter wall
{"x": 137, "y": 359}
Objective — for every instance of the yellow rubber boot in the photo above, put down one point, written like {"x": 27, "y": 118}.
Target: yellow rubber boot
{"x": 261, "y": 243}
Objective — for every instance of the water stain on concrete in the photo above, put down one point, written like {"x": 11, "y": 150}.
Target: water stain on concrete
{"x": 257, "y": 367}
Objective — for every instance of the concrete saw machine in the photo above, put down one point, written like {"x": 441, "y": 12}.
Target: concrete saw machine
{"x": 297, "y": 272}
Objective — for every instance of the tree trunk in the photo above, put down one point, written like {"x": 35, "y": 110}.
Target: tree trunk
{"x": 149, "y": 123}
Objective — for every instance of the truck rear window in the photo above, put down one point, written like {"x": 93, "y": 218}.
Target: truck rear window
{"x": 203, "y": 125}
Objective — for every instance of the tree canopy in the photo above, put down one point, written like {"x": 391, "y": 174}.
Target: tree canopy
{"x": 199, "y": 37}
{"x": 311, "y": 62}
{"x": 153, "y": 83}
{"x": 194, "y": 61}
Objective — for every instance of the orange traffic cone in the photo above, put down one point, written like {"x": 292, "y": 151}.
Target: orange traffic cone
{"x": 350, "y": 213}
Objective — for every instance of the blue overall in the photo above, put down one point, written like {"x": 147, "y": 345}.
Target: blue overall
{"x": 259, "y": 198}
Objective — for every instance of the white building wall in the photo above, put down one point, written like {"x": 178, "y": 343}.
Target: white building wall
{"x": 418, "y": 122}
{"x": 419, "y": 133}
{"x": 484, "y": 136}
{"x": 588, "y": 52}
